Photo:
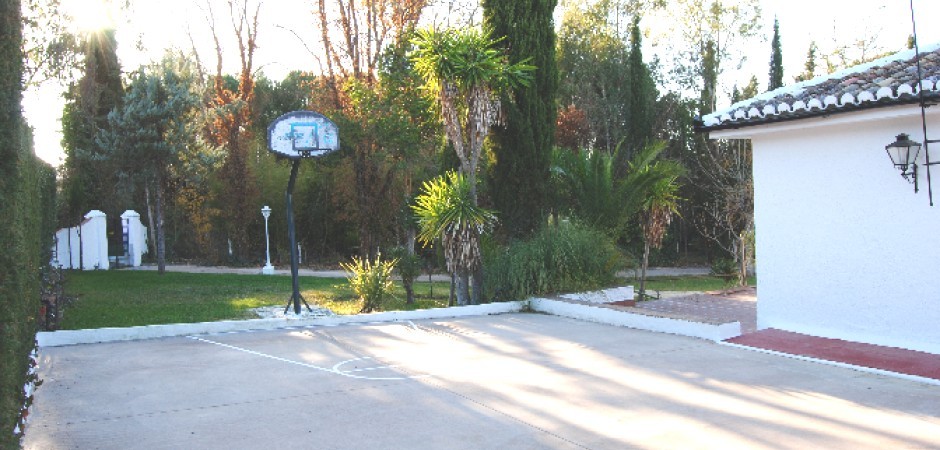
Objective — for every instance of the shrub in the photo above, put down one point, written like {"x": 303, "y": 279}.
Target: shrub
{"x": 724, "y": 267}
{"x": 562, "y": 258}
{"x": 727, "y": 269}
{"x": 372, "y": 282}
{"x": 408, "y": 268}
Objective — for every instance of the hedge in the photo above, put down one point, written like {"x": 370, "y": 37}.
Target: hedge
{"x": 27, "y": 204}
{"x": 27, "y": 214}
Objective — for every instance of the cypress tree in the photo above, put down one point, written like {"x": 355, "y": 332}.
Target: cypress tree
{"x": 522, "y": 147}
{"x": 776, "y": 60}
{"x": 88, "y": 181}
{"x": 642, "y": 97}
{"x": 708, "y": 96}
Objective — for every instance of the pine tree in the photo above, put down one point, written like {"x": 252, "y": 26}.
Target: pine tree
{"x": 522, "y": 148}
{"x": 751, "y": 90}
{"x": 809, "y": 68}
{"x": 776, "y": 60}
{"x": 148, "y": 134}
{"x": 748, "y": 92}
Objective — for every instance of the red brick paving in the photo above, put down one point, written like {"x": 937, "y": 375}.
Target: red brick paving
{"x": 741, "y": 305}
{"x": 892, "y": 359}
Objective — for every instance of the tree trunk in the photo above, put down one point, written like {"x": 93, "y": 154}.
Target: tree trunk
{"x": 152, "y": 231}
{"x": 161, "y": 236}
{"x": 408, "y": 282}
{"x": 742, "y": 256}
{"x": 463, "y": 288}
{"x": 643, "y": 265}
{"x": 477, "y": 280}
{"x": 453, "y": 289}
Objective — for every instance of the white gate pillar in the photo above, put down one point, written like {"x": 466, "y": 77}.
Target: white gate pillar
{"x": 94, "y": 241}
{"x": 136, "y": 237}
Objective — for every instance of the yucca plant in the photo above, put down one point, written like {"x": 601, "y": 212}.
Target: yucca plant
{"x": 371, "y": 281}
{"x": 465, "y": 70}
{"x": 445, "y": 209}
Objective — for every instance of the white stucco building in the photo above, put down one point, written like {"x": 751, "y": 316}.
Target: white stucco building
{"x": 845, "y": 248}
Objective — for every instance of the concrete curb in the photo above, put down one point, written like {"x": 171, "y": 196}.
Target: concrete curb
{"x": 93, "y": 336}
{"x": 711, "y": 331}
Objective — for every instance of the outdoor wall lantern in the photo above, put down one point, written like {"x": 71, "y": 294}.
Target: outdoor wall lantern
{"x": 903, "y": 153}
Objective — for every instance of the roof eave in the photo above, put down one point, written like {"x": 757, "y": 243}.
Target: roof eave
{"x": 699, "y": 126}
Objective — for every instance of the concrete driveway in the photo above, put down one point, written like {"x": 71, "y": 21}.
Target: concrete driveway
{"x": 510, "y": 381}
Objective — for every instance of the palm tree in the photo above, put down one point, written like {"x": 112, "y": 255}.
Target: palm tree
{"x": 466, "y": 71}
{"x": 588, "y": 188}
{"x": 647, "y": 192}
{"x": 445, "y": 208}
{"x": 660, "y": 205}
{"x": 592, "y": 192}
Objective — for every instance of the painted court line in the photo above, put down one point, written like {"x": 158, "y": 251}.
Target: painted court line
{"x": 366, "y": 369}
{"x": 334, "y": 370}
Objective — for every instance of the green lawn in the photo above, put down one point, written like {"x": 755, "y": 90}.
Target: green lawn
{"x": 688, "y": 283}
{"x": 130, "y": 298}
{"x": 119, "y": 298}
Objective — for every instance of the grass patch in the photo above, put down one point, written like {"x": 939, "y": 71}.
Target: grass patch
{"x": 688, "y": 283}
{"x": 133, "y": 298}
{"x": 119, "y": 298}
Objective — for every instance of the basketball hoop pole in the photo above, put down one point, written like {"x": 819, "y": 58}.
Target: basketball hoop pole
{"x": 298, "y": 135}
{"x": 295, "y": 298}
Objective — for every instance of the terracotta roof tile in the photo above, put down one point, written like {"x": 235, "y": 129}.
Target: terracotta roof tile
{"x": 888, "y": 81}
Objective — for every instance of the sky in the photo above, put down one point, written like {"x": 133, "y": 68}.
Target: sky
{"x": 287, "y": 25}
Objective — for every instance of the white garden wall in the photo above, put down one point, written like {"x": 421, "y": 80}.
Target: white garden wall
{"x": 845, "y": 249}
{"x": 86, "y": 246}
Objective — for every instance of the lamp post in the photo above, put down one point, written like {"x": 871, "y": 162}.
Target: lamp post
{"x": 268, "y": 269}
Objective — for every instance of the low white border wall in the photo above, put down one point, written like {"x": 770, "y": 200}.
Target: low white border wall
{"x": 92, "y": 336}
{"x": 713, "y": 332}
{"x": 608, "y": 316}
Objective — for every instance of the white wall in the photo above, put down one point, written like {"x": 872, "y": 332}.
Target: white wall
{"x": 845, "y": 249}
{"x": 92, "y": 238}
{"x": 84, "y": 246}
{"x": 136, "y": 237}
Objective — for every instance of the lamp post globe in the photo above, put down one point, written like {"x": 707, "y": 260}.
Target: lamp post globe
{"x": 268, "y": 269}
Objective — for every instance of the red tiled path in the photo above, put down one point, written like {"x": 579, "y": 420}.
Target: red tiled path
{"x": 738, "y": 304}
{"x": 741, "y": 305}
{"x": 892, "y": 359}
